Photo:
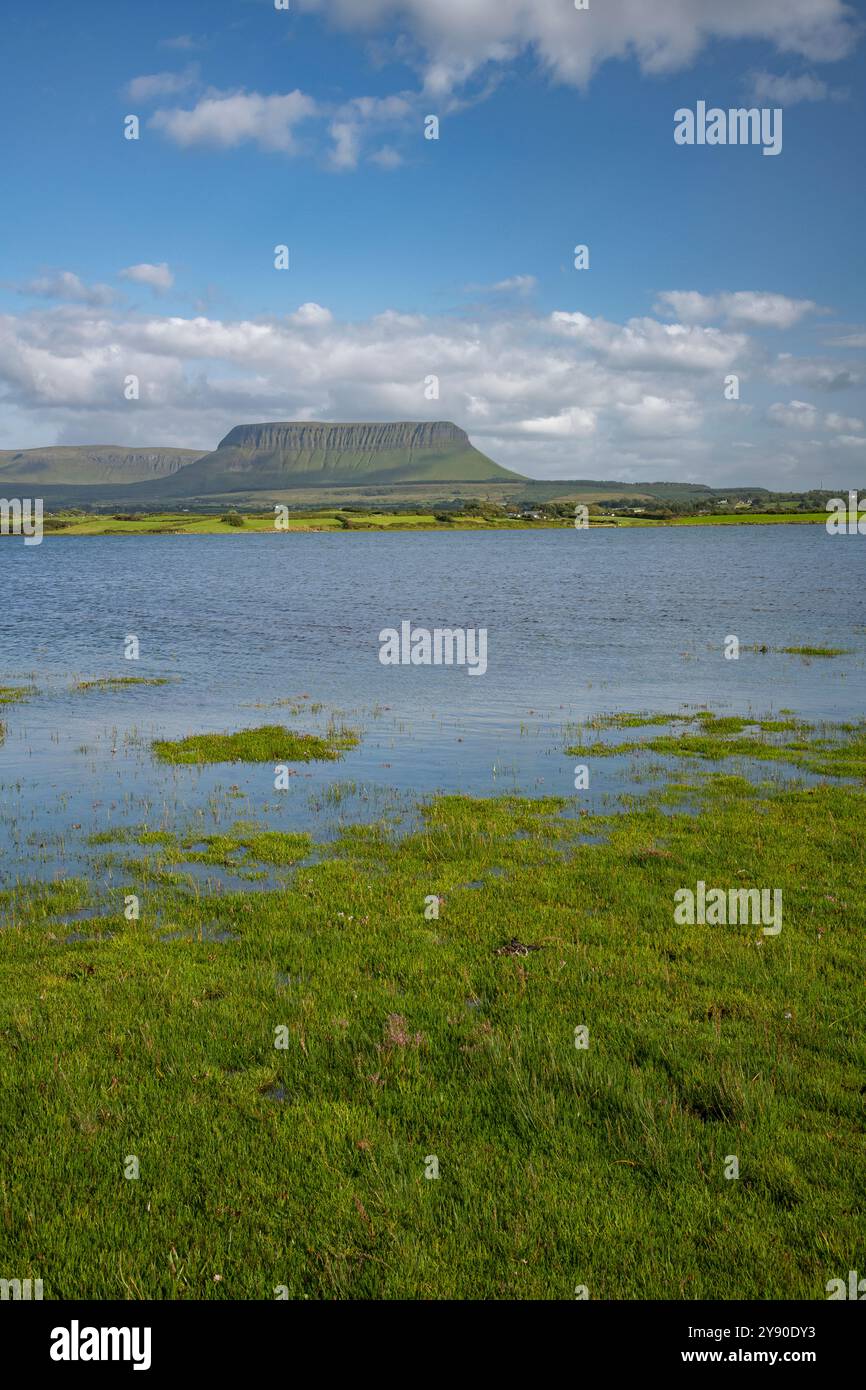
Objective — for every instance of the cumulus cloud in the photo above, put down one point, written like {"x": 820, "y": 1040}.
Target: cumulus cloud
{"x": 660, "y": 417}
{"x": 458, "y": 37}
{"x": 797, "y": 415}
{"x": 452, "y": 41}
{"x": 354, "y": 122}
{"x": 844, "y": 424}
{"x": 849, "y": 441}
{"x": 311, "y": 313}
{"x": 803, "y": 416}
{"x": 66, "y": 285}
{"x": 821, "y": 373}
{"x": 556, "y": 395}
{"x": 644, "y": 343}
{"x": 573, "y": 423}
{"x": 751, "y": 308}
{"x": 225, "y": 120}
{"x": 159, "y": 277}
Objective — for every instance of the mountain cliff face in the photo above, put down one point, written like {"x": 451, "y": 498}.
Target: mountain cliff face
{"x": 364, "y": 438}
{"x": 298, "y": 453}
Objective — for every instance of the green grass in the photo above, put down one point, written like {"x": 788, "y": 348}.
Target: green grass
{"x": 328, "y": 519}
{"x": 119, "y": 682}
{"x": 409, "y": 1037}
{"x": 12, "y": 694}
{"x": 270, "y": 743}
{"x": 816, "y": 651}
{"x": 838, "y": 750}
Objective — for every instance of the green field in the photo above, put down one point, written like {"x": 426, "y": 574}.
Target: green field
{"x": 287, "y": 1069}
{"x": 201, "y": 524}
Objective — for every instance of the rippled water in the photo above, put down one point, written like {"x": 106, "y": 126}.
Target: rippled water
{"x": 578, "y": 623}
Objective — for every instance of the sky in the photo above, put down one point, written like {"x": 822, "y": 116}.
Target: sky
{"x": 435, "y": 278}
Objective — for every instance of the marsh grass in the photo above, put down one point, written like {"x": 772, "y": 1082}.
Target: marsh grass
{"x": 270, "y": 743}
{"x": 816, "y": 651}
{"x": 800, "y": 651}
{"x": 12, "y": 694}
{"x": 839, "y": 750}
{"x": 411, "y": 1037}
{"x": 120, "y": 682}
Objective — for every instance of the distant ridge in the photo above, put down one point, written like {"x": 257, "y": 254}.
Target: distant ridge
{"x": 298, "y": 453}
{"x": 81, "y": 464}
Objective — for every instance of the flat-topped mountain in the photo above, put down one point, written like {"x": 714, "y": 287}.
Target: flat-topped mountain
{"x": 362, "y": 437}
{"x": 298, "y": 453}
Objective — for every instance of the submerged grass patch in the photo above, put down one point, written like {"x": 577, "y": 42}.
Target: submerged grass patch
{"x": 270, "y": 743}
{"x": 12, "y": 694}
{"x": 119, "y": 682}
{"x": 816, "y": 651}
{"x": 800, "y": 651}
{"x": 404, "y": 1035}
{"x": 838, "y": 751}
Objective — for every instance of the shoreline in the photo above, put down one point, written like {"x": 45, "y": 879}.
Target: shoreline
{"x": 254, "y": 523}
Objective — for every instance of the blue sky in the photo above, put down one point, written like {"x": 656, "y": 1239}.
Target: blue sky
{"x": 413, "y": 257}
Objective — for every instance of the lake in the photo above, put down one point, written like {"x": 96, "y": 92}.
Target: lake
{"x": 578, "y": 623}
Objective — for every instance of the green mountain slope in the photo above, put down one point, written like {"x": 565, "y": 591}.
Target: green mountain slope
{"x": 298, "y": 454}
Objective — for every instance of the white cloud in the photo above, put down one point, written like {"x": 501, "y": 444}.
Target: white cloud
{"x": 225, "y": 120}
{"x": 819, "y": 373}
{"x": 783, "y": 89}
{"x": 750, "y": 308}
{"x": 575, "y": 422}
{"x": 660, "y": 417}
{"x": 356, "y": 119}
{"x": 310, "y": 313}
{"x": 66, "y": 285}
{"x": 844, "y": 424}
{"x": 849, "y": 441}
{"x": 387, "y": 157}
{"x": 644, "y": 343}
{"x": 460, "y": 36}
{"x": 228, "y": 119}
{"x": 797, "y": 415}
{"x": 521, "y": 284}
{"x": 513, "y": 284}
{"x": 159, "y": 277}
{"x": 161, "y": 84}
{"x": 346, "y": 136}
{"x": 556, "y": 395}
